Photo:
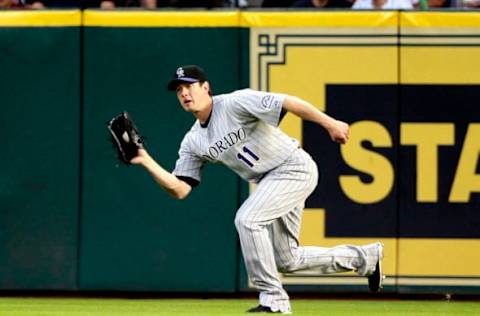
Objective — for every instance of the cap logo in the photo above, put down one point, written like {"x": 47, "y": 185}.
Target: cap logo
{"x": 180, "y": 72}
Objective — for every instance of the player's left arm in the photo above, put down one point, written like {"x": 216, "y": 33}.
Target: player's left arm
{"x": 175, "y": 186}
{"x": 337, "y": 129}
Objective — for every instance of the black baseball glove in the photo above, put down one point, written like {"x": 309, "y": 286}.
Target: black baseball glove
{"x": 125, "y": 137}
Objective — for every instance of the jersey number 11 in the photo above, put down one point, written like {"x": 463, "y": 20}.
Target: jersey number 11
{"x": 250, "y": 155}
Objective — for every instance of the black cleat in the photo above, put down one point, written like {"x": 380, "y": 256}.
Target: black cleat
{"x": 260, "y": 309}
{"x": 264, "y": 309}
{"x": 375, "y": 280}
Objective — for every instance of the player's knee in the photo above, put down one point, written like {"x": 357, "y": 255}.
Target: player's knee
{"x": 282, "y": 268}
{"x": 242, "y": 223}
{"x": 239, "y": 222}
{"x": 286, "y": 267}
{"x": 288, "y": 263}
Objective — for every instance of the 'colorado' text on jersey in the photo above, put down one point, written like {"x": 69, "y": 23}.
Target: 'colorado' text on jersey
{"x": 242, "y": 133}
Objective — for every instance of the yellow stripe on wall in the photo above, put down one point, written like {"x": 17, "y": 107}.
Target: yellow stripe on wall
{"x": 41, "y": 18}
{"x": 319, "y": 19}
{"x": 440, "y": 19}
{"x": 161, "y": 18}
{"x": 237, "y": 19}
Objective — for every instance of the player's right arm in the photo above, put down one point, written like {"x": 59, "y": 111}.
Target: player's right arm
{"x": 176, "y": 187}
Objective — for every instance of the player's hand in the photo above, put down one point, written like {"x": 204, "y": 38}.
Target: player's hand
{"x": 142, "y": 158}
{"x": 339, "y": 131}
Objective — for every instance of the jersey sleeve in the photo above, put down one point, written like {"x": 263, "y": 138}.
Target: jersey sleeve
{"x": 188, "y": 163}
{"x": 265, "y": 106}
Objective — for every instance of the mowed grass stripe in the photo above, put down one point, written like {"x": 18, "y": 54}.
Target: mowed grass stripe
{"x": 202, "y": 307}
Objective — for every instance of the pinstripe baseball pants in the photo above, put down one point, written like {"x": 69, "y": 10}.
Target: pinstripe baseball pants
{"x": 268, "y": 224}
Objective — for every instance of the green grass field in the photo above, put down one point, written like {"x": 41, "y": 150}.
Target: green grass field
{"x": 13, "y": 306}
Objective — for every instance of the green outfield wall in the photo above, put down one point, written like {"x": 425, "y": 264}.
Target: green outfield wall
{"x": 40, "y": 169}
{"x": 71, "y": 218}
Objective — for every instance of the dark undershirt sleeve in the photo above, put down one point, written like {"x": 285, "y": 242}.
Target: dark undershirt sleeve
{"x": 191, "y": 181}
{"x": 282, "y": 114}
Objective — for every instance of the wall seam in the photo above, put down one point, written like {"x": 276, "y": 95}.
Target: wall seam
{"x": 80, "y": 150}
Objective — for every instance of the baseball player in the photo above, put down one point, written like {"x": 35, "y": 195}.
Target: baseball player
{"x": 240, "y": 130}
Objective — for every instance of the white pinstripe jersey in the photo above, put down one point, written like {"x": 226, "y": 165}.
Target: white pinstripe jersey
{"x": 242, "y": 133}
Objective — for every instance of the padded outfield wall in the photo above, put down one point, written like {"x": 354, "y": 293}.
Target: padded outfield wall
{"x": 407, "y": 82}
{"x": 409, "y": 176}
